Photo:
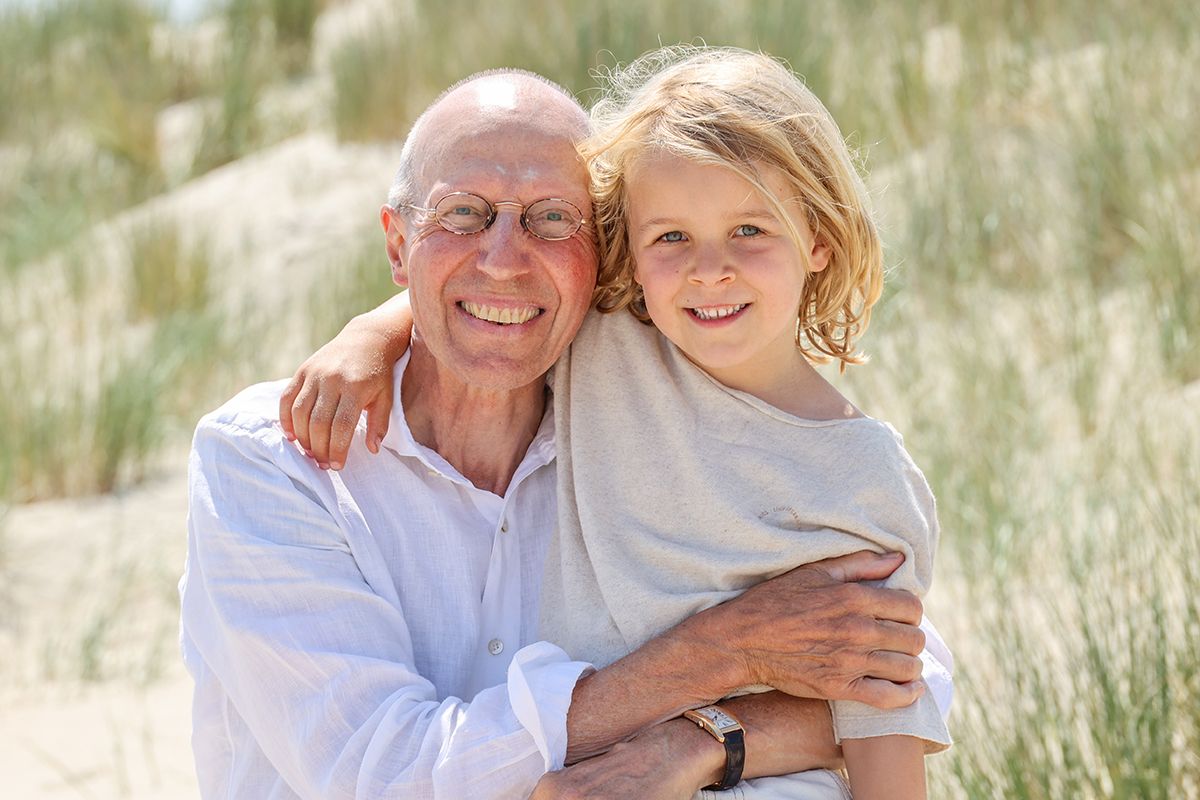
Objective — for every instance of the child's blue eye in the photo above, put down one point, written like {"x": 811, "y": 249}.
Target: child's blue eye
{"x": 671, "y": 236}
{"x": 748, "y": 230}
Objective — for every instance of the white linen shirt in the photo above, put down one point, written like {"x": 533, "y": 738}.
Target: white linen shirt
{"x": 369, "y": 632}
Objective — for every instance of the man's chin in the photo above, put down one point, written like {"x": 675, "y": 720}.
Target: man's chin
{"x": 496, "y": 373}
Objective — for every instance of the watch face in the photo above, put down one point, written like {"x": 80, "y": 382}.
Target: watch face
{"x": 722, "y": 720}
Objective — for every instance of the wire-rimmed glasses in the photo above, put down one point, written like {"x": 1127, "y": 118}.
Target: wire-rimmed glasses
{"x": 464, "y": 213}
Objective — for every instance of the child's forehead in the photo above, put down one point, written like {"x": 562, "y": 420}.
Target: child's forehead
{"x": 761, "y": 180}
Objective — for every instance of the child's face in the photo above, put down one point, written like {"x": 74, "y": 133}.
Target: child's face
{"x": 721, "y": 276}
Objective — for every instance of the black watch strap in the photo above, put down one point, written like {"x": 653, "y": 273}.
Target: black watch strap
{"x": 735, "y": 759}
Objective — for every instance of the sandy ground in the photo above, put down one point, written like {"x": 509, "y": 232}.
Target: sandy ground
{"x": 95, "y": 700}
{"x": 104, "y": 742}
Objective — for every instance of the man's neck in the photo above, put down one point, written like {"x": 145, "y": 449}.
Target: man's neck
{"x": 484, "y": 434}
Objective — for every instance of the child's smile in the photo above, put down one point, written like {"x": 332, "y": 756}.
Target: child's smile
{"x": 722, "y": 276}
{"x": 718, "y": 313}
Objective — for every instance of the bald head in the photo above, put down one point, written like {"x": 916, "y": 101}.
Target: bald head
{"x": 522, "y": 102}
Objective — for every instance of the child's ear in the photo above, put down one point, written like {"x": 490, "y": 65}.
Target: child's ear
{"x": 393, "y": 234}
{"x": 818, "y": 256}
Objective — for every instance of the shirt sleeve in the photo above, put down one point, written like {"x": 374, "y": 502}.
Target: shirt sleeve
{"x": 937, "y": 669}
{"x": 905, "y": 521}
{"x": 317, "y": 664}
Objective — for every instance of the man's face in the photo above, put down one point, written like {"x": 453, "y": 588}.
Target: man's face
{"x": 497, "y": 307}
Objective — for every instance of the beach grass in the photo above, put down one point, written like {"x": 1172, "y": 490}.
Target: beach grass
{"x": 355, "y": 282}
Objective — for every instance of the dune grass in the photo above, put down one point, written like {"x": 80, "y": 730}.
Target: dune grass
{"x": 293, "y": 21}
{"x": 166, "y": 275}
{"x": 94, "y": 421}
{"x": 232, "y": 129}
{"x": 81, "y": 83}
{"x": 354, "y": 283}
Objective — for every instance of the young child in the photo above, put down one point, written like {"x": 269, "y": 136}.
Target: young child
{"x": 704, "y": 454}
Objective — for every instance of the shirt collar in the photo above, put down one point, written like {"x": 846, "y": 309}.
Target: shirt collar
{"x": 399, "y": 439}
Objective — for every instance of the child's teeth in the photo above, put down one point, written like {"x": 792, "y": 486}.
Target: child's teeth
{"x": 717, "y": 312}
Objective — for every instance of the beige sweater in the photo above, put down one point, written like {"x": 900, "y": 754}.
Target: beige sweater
{"x": 677, "y": 493}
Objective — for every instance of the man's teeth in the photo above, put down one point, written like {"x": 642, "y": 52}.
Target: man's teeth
{"x": 717, "y": 312}
{"x": 502, "y": 316}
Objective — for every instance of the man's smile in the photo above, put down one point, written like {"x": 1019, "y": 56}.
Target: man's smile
{"x": 500, "y": 316}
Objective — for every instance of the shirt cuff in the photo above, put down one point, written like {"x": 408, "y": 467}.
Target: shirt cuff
{"x": 541, "y": 680}
{"x": 937, "y": 669}
{"x": 925, "y": 719}
{"x": 852, "y": 720}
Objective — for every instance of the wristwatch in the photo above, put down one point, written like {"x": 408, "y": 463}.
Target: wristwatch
{"x": 728, "y": 731}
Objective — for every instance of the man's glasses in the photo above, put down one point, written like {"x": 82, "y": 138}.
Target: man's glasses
{"x": 463, "y": 213}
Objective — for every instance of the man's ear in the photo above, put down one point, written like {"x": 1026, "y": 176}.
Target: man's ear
{"x": 393, "y": 234}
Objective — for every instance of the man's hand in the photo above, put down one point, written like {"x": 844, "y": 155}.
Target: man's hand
{"x": 817, "y": 632}
{"x": 670, "y": 761}
{"x": 352, "y": 373}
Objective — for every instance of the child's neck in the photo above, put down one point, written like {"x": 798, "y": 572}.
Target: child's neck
{"x": 798, "y": 390}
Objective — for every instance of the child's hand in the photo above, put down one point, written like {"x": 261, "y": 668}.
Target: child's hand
{"x": 321, "y": 406}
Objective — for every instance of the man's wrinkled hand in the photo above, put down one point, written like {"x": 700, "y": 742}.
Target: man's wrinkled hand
{"x": 670, "y": 761}
{"x": 818, "y": 632}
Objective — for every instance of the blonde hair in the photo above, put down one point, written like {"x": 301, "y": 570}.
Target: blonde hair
{"x": 740, "y": 110}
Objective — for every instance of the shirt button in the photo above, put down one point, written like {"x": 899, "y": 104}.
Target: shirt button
{"x": 504, "y": 526}
{"x": 495, "y": 647}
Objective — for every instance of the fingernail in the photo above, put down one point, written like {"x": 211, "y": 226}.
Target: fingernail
{"x": 378, "y": 441}
{"x": 335, "y": 465}
{"x": 291, "y": 437}
{"x": 322, "y": 465}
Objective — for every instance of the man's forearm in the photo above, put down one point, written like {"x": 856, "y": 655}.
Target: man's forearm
{"x": 657, "y": 682}
{"x": 676, "y": 758}
{"x": 785, "y": 734}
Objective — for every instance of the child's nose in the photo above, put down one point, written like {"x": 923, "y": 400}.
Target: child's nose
{"x": 710, "y": 268}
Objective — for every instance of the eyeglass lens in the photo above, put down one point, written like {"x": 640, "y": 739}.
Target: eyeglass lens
{"x": 466, "y": 213}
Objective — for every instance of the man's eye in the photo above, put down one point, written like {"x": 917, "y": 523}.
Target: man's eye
{"x": 464, "y": 211}
{"x": 748, "y": 230}
{"x": 671, "y": 236}
{"x": 554, "y": 216}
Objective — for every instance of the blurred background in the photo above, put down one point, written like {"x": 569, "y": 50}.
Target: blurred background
{"x": 188, "y": 199}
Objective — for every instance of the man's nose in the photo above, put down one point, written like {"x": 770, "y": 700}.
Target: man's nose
{"x": 710, "y": 267}
{"x": 504, "y": 246}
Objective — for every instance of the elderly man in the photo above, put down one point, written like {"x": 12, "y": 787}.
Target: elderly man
{"x": 371, "y": 632}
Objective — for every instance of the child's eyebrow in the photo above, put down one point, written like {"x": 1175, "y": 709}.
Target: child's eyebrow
{"x": 753, "y": 213}
{"x": 654, "y": 223}
{"x": 749, "y": 213}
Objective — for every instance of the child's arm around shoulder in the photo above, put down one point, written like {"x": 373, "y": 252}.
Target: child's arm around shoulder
{"x": 354, "y": 372}
{"x": 891, "y": 767}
